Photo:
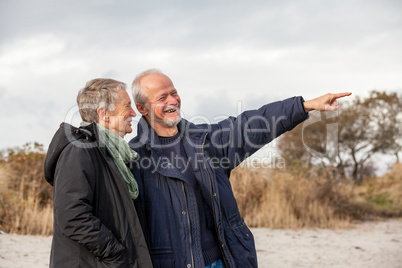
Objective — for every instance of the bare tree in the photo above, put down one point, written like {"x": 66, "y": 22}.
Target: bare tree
{"x": 347, "y": 142}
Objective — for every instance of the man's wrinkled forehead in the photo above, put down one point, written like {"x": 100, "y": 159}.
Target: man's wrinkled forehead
{"x": 156, "y": 84}
{"x": 156, "y": 81}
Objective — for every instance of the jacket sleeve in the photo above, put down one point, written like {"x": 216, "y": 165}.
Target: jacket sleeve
{"x": 73, "y": 200}
{"x": 236, "y": 138}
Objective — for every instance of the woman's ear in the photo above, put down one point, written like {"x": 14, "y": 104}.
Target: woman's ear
{"x": 141, "y": 108}
{"x": 102, "y": 114}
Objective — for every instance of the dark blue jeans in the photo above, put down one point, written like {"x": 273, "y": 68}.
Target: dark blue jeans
{"x": 217, "y": 264}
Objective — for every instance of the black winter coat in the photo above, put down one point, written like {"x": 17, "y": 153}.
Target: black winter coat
{"x": 96, "y": 223}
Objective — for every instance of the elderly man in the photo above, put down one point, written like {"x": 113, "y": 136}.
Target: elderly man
{"x": 183, "y": 173}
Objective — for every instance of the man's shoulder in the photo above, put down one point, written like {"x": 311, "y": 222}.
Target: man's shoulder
{"x": 134, "y": 140}
{"x": 136, "y": 143}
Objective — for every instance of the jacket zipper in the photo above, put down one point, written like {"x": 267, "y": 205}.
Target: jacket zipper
{"x": 189, "y": 226}
{"x": 212, "y": 202}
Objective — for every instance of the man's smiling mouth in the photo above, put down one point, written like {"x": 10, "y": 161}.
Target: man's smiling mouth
{"x": 171, "y": 110}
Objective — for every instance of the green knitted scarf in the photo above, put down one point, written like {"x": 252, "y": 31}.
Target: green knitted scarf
{"x": 122, "y": 155}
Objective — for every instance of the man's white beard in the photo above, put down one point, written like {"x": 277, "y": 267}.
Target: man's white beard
{"x": 166, "y": 122}
{"x": 169, "y": 122}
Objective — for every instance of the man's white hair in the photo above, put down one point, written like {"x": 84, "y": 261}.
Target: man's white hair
{"x": 139, "y": 95}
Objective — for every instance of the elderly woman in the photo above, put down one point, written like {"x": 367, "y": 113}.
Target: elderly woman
{"x": 96, "y": 215}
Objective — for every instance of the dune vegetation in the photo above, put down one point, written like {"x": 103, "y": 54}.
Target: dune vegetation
{"x": 274, "y": 198}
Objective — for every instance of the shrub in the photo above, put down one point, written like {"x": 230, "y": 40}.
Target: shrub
{"x": 25, "y": 197}
{"x": 278, "y": 199}
{"x": 283, "y": 199}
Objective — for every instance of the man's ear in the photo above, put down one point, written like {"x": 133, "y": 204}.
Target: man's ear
{"x": 141, "y": 108}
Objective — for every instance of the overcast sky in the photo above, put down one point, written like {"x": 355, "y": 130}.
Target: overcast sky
{"x": 223, "y": 56}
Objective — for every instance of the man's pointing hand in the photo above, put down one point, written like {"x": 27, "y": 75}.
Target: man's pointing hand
{"x": 327, "y": 102}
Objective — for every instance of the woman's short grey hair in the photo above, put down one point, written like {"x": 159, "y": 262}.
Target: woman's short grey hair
{"x": 99, "y": 92}
{"x": 139, "y": 95}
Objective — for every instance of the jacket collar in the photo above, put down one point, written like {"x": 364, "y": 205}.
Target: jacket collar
{"x": 65, "y": 135}
{"x": 147, "y": 136}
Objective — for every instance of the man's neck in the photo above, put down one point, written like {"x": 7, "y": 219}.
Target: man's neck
{"x": 165, "y": 131}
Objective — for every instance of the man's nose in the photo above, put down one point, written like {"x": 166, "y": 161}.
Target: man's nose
{"x": 172, "y": 100}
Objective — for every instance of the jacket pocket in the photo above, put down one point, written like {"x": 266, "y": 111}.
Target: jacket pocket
{"x": 240, "y": 242}
{"x": 244, "y": 235}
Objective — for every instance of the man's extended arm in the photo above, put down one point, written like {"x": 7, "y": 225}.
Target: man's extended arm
{"x": 237, "y": 138}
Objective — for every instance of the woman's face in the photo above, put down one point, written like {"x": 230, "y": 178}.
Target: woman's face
{"x": 120, "y": 118}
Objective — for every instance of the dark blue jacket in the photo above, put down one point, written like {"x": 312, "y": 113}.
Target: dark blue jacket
{"x": 213, "y": 151}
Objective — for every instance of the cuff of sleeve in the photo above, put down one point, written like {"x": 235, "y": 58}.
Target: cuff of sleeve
{"x": 302, "y": 104}
{"x": 301, "y": 114}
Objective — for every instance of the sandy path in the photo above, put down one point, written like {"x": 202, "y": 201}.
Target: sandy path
{"x": 368, "y": 245}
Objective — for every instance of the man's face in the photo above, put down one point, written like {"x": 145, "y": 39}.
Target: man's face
{"x": 120, "y": 118}
{"x": 163, "y": 101}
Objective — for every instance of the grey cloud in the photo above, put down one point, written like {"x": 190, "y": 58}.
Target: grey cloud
{"x": 110, "y": 74}
{"x": 276, "y": 49}
{"x": 28, "y": 119}
{"x": 203, "y": 26}
{"x": 215, "y": 107}
{"x": 2, "y": 92}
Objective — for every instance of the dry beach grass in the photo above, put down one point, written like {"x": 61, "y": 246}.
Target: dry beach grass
{"x": 266, "y": 197}
{"x": 281, "y": 199}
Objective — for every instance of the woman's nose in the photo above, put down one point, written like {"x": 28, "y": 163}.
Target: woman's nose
{"x": 132, "y": 112}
